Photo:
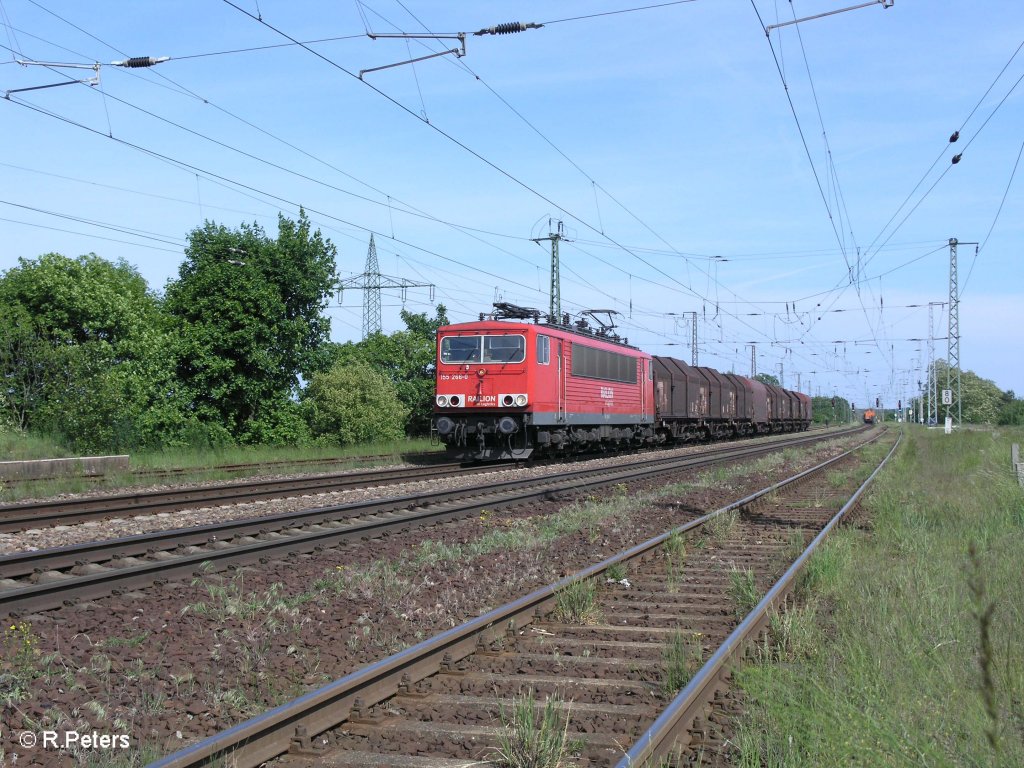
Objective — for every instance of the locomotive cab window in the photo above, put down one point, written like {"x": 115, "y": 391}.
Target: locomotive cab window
{"x": 483, "y": 349}
{"x": 460, "y": 349}
{"x": 543, "y": 349}
{"x": 504, "y": 349}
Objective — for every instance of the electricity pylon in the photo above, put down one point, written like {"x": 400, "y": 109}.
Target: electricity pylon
{"x": 371, "y": 282}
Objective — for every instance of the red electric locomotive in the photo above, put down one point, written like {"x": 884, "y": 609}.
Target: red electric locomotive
{"x": 508, "y": 387}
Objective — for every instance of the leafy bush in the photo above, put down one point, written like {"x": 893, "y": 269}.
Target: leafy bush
{"x": 283, "y": 425}
{"x": 353, "y": 403}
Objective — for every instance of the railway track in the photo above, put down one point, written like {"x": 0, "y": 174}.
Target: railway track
{"x": 442, "y": 703}
{"x": 47, "y": 579}
{"x": 240, "y": 468}
{"x": 39, "y": 514}
{"x": 20, "y": 517}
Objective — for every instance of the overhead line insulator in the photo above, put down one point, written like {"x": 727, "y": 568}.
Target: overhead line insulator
{"x": 140, "y": 61}
{"x": 508, "y": 28}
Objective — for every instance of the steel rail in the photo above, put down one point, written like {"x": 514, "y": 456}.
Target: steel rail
{"x": 21, "y": 516}
{"x": 237, "y": 468}
{"x": 19, "y": 564}
{"x": 672, "y": 725}
{"x": 54, "y": 589}
{"x": 18, "y": 517}
{"x": 292, "y": 725}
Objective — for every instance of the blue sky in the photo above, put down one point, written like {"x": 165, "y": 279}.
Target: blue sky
{"x": 662, "y": 138}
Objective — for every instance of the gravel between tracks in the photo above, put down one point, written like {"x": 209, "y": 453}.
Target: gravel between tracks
{"x": 173, "y": 664}
{"x": 65, "y": 535}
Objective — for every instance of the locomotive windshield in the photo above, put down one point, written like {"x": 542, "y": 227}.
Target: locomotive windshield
{"x": 483, "y": 349}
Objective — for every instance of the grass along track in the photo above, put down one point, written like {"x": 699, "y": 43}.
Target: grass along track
{"x": 47, "y": 579}
{"x": 919, "y": 662}
{"x": 607, "y": 653}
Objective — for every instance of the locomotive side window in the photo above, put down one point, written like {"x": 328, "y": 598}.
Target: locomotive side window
{"x": 504, "y": 349}
{"x": 543, "y": 349}
{"x": 594, "y": 363}
{"x": 460, "y": 349}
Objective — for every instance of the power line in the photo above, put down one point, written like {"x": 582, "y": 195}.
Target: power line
{"x": 669, "y": 276}
{"x": 952, "y": 139}
{"x": 293, "y": 205}
{"x": 167, "y": 239}
{"x": 615, "y": 13}
{"x": 465, "y": 147}
{"x": 803, "y": 139}
{"x": 988, "y": 234}
{"x": 93, "y": 236}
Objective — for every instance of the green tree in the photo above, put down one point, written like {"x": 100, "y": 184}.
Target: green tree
{"x": 77, "y": 301}
{"x": 94, "y": 405}
{"x": 248, "y": 311}
{"x": 830, "y": 410}
{"x": 353, "y": 403}
{"x": 981, "y": 401}
{"x": 26, "y": 362}
{"x": 1011, "y": 412}
{"x": 407, "y": 359}
{"x": 767, "y": 378}
{"x": 76, "y": 350}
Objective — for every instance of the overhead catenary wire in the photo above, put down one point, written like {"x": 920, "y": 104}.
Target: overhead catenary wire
{"x": 953, "y": 138}
{"x": 407, "y": 208}
{"x": 505, "y": 271}
{"x": 618, "y": 12}
{"x": 670, "y": 275}
{"x": 842, "y": 246}
{"x": 461, "y": 64}
{"x": 803, "y": 140}
{"x": 292, "y": 204}
{"x": 412, "y": 211}
{"x": 840, "y": 199}
{"x": 94, "y": 236}
{"x": 995, "y": 219}
{"x": 155, "y": 236}
{"x": 456, "y": 141}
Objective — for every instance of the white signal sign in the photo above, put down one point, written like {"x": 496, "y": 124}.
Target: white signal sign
{"x": 947, "y": 397}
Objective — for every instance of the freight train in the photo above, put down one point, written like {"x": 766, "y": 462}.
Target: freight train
{"x": 514, "y": 386}
{"x": 869, "y": 416}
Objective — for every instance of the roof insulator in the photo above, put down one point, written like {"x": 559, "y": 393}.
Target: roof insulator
{"x": 508, "y": 28}
{"x": 954, "y": 137}
{"x": 956, "y": 158}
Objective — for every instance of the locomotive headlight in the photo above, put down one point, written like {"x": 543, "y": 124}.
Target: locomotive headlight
{"x": 513, "y": 400}
{"x": 442, "y": 401}
{"x": 455, "y": 401}
{"x": 521, "y": 399}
